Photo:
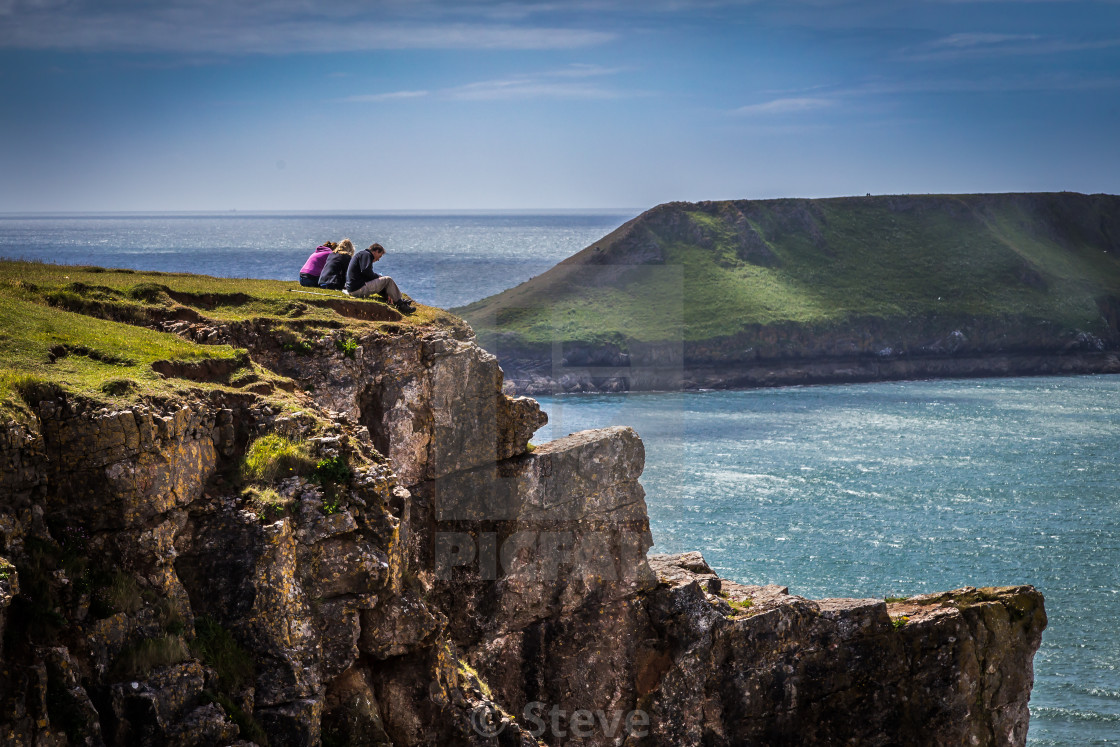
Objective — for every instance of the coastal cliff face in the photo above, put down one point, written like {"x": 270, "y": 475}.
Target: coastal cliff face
{"x": 418, "y": 574}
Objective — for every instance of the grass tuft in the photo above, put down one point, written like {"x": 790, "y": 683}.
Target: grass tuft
{"x": 346, "y": 345}
{"x": 331, "y": 471}
{"x": 120, "y": 593}
{"x": 267, "y": 503}
{"x": 142, "y": 657}
{"x": 273, "y": 457}
{"x": 218, "y": 649}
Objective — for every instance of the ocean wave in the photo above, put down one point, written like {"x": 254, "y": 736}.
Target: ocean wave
{"x": 1096, "y": 692}
{"x": 1054, "y": 713}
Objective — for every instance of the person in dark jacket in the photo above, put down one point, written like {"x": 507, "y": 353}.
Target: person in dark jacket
{"x": 333, "y": 275}
{"x": 313, "y": 267}
{"x": 362, "y": 281}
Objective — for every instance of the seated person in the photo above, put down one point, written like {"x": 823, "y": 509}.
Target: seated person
{"x": 333, "y": 276}
{"x": 362, "y": 281}
{"x": 313, "y": 267}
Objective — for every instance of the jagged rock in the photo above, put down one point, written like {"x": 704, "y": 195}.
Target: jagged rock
{"x": 205, "y": 726}
{"x": 146, "y": 710}
{"x": 399, "y": 627}
{"x": 9, "y": 587}
{"x": 294, "y": 724}
{"x": 352, "y": 714}
{"x": 786, "y": 669}
{"x": 536, "y": 536}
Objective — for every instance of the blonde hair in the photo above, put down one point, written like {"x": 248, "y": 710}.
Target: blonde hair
{"x": 346, "y": 246}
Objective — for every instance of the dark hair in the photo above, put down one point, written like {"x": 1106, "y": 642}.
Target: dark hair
{"x": 375, "y": 247}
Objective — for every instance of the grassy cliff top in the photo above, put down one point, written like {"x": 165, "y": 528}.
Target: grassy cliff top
{"x": 93, "y": 332}
{"x": 709, "y": 270}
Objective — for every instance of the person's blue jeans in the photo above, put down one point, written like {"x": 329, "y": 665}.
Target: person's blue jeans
{"x": 308, "y": 281}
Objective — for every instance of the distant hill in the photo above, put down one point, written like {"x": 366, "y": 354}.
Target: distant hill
{"x": 758, "y": 292}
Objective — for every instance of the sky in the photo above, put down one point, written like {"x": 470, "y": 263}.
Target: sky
{"x": 212, "y": 105}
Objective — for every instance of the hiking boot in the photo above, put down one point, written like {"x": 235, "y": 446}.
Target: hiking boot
{"x": 405, "y": 306}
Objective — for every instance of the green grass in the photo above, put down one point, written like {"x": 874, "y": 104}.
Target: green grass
{"x": 267, "y": 503}
{"x": 219, "y": 650}
{"x": 250, "y": 728}
{"x": 47, "y": 349}
{"x": 331, "y": 471}
{"x": 82, "y": 331}
{"x": 120, "y": 593}
{"x": 141, "y": 658}
{"x": 273, "y": 457}
{"x": 1032, "y": 258}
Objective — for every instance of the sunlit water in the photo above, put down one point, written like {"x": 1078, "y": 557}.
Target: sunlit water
{"x": 903, "y": 488}
{"x": 868, "y": 490}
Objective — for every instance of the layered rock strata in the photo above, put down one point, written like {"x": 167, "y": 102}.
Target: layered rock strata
{"x": 455, "y": 587}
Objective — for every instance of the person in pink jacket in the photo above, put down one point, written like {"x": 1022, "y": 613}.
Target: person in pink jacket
{"x": 313, "y": 267}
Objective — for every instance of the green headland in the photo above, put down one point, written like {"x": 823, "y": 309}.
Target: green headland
{"x": 715, "y": 288}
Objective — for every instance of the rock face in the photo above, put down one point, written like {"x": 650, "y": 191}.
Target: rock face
{"x": 756, "y": 665}
{"x": 453, "y": 586}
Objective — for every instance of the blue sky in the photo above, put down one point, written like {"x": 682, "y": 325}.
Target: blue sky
{"x": 425, "y": 104}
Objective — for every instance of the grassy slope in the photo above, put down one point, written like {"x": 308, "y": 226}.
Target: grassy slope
{"x": 82, "y": 330}
{"x": 835, "y": 260}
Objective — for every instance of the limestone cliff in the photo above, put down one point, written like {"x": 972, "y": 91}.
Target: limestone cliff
{"x": 411, "y": 572}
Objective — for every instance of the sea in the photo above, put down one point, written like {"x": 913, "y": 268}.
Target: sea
{"x": 868, "y": 490}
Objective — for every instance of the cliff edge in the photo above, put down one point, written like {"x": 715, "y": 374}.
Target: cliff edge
{"x": 294, "y": 525}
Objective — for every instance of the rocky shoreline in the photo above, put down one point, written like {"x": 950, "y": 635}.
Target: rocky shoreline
{"x": 533, "y": 376}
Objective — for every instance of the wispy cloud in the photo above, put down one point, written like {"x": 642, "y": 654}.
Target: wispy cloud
{"x": 786, "y": 106}
{"x": 975, "y": 2}
{"x": 527, "y": 88}
{"x": 572, "y": 82}
{"x": 1050, "y": 82}
{"x": 825, "y": 96}
{"x": 372, "y": 98}
{"x": 972, "y": 40}
{"x": 554, "y": 84}
{"x": 963, "y": 46}
{"x": 257, "y": 27}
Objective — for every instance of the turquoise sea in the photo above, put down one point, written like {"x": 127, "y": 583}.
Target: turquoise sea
{"x": 862, "y": 490}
